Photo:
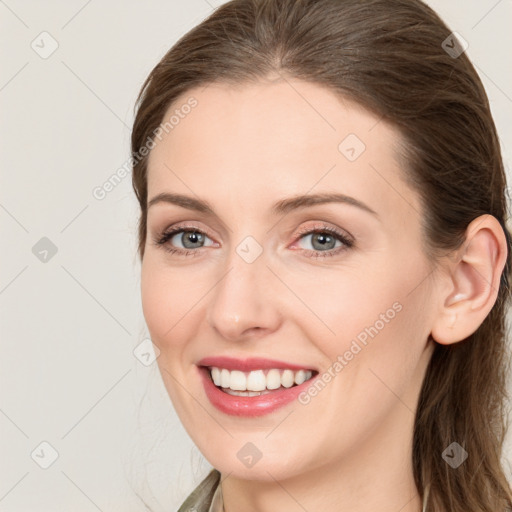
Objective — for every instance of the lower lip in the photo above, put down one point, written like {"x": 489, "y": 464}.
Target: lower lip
{"x": 250, "y": 405}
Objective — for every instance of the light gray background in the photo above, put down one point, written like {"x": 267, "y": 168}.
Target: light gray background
{"x": 68, "y": 326}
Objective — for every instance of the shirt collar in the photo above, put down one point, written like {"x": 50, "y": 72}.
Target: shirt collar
{"x": 217, "y": 504}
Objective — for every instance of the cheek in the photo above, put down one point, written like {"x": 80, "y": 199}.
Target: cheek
{"x": 160, "y": 301}
{"x": 172, "y": 299}
{"x": 343, "y": 304}
{"x": 384, "y": 345}
{"x": 377, "y": 308}
{"x": 154, "y": 299}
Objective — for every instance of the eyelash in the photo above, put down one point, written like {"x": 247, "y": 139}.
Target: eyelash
{"x": 162, "y": 239}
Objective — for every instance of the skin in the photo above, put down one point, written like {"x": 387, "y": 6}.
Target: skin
{"x": 242, "y": 149}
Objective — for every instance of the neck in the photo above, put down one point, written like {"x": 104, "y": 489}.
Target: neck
{"x": 376, "y": 475}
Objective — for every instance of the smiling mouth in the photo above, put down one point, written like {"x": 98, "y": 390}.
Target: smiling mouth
{"x": 257, "y": 382}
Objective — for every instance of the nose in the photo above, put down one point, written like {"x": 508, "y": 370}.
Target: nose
{"x": 243, "y": 304}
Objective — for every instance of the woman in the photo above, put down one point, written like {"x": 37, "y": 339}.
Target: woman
{"x": 325, "y": 258}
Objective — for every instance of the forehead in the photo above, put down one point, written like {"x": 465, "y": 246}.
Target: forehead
{"x": 271, "y": 140}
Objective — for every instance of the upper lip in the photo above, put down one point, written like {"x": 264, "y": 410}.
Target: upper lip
{"x": 249, "y": 364}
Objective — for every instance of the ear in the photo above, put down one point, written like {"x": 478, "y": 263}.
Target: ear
{"x": 472, "y": 281}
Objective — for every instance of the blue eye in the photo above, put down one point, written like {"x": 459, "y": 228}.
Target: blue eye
{"x": 325, "y": 240}
{"x": 190, "y": 238}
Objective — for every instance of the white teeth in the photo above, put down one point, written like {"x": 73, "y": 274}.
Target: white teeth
{"x": 300, "y": 377}
{"x": 257, "y": 382}
{"x": 273, "y": 379}
{"x": 225, "y": 378}
{"x": 216, "y": 376}
{"x": 245, "y": 393}
{"x": 238, "y": 381}
{"x": 287, "y": 378}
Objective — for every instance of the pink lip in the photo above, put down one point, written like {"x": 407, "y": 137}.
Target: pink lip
{"x": 247, "y": 365}
{"x": 249, "y": 406}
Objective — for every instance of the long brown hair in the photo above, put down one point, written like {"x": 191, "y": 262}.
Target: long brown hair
{"x": 391, "y": 57}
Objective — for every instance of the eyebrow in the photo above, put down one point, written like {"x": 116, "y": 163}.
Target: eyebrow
{"x": 280, "y": 207}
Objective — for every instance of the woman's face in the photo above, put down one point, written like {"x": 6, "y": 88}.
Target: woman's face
{"x": 348, "y": 303}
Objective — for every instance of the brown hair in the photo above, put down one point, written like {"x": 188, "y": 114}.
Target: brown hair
{"x": 388, "y": 56}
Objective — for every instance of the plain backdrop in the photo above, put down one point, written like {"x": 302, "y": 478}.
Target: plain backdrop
{"x": 73, "y": 396}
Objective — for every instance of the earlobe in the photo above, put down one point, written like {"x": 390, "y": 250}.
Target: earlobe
{"x": 473, "y": 281}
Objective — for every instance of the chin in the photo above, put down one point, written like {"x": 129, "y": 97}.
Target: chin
{"x": 246, "y": 462}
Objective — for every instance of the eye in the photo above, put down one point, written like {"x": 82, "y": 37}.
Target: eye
{"x": 190, "y": 238}
{"x": 324, "y": 240}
